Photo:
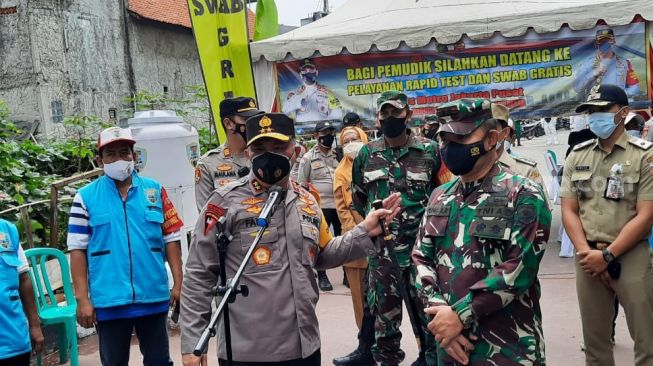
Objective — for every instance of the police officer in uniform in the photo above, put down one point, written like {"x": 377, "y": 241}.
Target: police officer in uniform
{"x": 479, "y": 247}
{"x": 514, "y": 164}
{"x": 318, "y": 167}
{"x": 352, "y": 119}
{"x": 227, "y": 162}
{"x": 19, "y": 320}
{"x": 312, "y": 101}
{"x": 607, "y": 211}
{"x": 276, "y": 324}
{"x": 606, "y": 67}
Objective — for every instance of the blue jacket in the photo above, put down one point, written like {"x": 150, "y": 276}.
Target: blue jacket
{"x": 14, "y": 333}
{"x": 126, "y": 253}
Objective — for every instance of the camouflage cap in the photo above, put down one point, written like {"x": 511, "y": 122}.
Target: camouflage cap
{"x": 463, "y": 116}
{"x": 431, "y": 119}
{"x": 394, "y": 98}
{"x": 500, "y": 112}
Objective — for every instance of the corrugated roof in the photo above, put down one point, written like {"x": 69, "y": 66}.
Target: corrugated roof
{"x": 174, "y": 12}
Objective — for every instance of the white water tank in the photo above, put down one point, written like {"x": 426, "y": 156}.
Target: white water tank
{"x": 167, "y": 150}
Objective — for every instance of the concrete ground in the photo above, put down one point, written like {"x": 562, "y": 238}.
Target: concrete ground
{"x": 562, "y": 327}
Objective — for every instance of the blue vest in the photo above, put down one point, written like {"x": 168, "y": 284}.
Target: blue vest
{"x": 14, "y": 332}
{"x": 125, "y": 253}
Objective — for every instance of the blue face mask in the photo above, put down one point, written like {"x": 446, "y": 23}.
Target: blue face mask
{"x": 605, "y": 47}
{"x": 602, "y": 124}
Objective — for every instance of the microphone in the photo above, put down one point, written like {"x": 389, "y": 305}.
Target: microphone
{"x": 276, "y": 196}
{"x": 243, "y": 172}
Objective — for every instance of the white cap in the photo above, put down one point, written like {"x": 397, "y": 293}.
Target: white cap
{"x": 113, "y": 134}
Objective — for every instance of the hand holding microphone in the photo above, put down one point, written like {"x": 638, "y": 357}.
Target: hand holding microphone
{"x": 384, "y": 212}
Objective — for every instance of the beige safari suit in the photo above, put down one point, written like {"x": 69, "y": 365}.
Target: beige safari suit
{"x": 585, "y": 177}
{"x": 277, "y": 321}
{"x": 525, "y": 168}
{"x": 318, "y": 169}
{"x": 215, "y": 169}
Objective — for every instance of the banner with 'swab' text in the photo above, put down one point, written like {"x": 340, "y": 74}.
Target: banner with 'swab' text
{"x": 535, "y": 75}
{"x": 220, "y": 29}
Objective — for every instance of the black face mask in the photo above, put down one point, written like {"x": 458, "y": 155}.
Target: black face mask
{"x": 393, "y": 126}
{"x": 309, "y": 78}
{"x": 326, "y": 141}
{"x": 461, "y": 158}
{"x": 240, "y": 130}
{"x": 430, "y": 134}
{"x": 271, "y": 167}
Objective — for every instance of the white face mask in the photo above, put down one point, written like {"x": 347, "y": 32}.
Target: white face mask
{"x": 119, "y": 170}
{"x": 352, "y": 148}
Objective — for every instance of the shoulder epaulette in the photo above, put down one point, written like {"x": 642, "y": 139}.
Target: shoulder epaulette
{"x": 223, "y": 190}
{"x": 642, "y": 144}
{"x": 525, "y": 161}
{"x": 584, "y": 144}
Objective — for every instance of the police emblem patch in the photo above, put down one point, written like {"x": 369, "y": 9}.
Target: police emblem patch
{"x": 262, "y": 255}
{"x": 252, "y": 104}
{"x": 309, "y": 210}
{"x": 198, "y": 175}
{"x": 255, "y": 209}
{"x": 252, "y": 201}
{"x": 225, "y": 168}
{"x": 257, "y": 186}
{"x": 265, "y": 124}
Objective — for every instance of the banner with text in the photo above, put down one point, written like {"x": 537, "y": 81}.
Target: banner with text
{"x": 220, "y": 30}
{"x": 535, "y": 75}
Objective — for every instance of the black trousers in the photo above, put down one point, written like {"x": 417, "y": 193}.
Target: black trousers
{"x": 331, "y": 217}
{"x": 152, "y": 333}
{"x": 366, "y": 333}
{"x": 20, "y": 360}
{"x": 312, "y": 360}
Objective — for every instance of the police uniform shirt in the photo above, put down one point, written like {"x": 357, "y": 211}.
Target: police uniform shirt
{"x": 215, "y": 169}
{"x": 319, "y": 169}
{"x": 277, "y": 321}
{"x": 586, "y": 175}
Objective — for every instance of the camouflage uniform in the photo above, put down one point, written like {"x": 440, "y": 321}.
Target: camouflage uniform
{"x": 378, "y": 171}
{"x": 216, "y": 169}
{"x": 478, "y": 250}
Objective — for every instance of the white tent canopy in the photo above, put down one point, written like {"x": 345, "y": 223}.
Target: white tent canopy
{"x": 358, "y": 25}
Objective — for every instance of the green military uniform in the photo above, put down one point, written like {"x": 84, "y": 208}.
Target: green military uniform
{"x": 478, "y": 250}
{"x": 379, "y": 171}
{"x": 216, "y": 169}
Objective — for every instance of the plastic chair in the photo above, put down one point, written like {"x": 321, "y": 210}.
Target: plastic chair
{"x": 51, "y": 313}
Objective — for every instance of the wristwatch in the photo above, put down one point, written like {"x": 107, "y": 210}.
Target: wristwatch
{"x": 607, "y": 256}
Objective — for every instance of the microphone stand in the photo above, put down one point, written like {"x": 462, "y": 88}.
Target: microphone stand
{"x": 229, "y": 288}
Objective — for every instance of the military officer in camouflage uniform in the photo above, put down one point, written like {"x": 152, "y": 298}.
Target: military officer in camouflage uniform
{"x": 431, "y": 125}
{"x": 479, "y": 247}
{"x": 607, "y": 211}
{"x": 222, "y": 165}
{"x": 514, "y": 164}
{"x": 276, "y": 324}
{"x": 398, "y": 162}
